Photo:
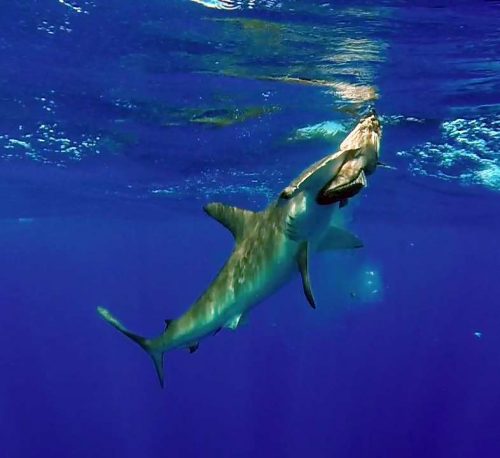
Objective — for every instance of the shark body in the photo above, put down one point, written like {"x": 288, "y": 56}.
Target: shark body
{"x": 271, "y": 245}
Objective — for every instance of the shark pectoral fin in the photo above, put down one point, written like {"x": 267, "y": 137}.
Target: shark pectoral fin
{"x": 236, "y": 321}
{"x": 193, "y": 347}
{"x": 338, "y": 239}
{"x": 303, "y": 261}
{"x": 233, "y": 218}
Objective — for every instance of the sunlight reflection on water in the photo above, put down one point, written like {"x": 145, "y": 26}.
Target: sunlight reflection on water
{"x": 467, "y": 152}
{"x": 218, "y": 4}
{"x": 238, "y": 4}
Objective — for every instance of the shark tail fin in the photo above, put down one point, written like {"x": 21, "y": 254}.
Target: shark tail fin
{"x": 156, "y": 356}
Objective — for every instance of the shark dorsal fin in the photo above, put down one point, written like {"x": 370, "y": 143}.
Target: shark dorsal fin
{"x": 234, "y": 218}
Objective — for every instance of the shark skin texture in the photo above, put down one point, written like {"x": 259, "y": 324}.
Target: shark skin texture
{"x": 272, "y": 245}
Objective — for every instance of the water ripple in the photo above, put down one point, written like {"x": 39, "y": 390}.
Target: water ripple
{"x": 467, "y": 153}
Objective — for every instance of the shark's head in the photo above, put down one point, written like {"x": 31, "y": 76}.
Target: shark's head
{"x": 358, "y": 156}
{"x": 341, "y": 175}
{"x": 309, "y": 198}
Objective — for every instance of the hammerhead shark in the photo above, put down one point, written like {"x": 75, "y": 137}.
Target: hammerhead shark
{"x": 272, "y": 244}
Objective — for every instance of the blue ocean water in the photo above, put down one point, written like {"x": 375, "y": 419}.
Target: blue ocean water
{"x": 119, "y": 120}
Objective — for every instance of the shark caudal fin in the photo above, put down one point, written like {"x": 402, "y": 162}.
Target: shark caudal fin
{"x": 157, "y": 357}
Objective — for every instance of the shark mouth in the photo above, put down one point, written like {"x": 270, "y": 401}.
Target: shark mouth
{"x": 330, "y": 195}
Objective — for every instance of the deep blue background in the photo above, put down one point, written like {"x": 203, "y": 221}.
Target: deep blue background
{"x": 101, "y": 205}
